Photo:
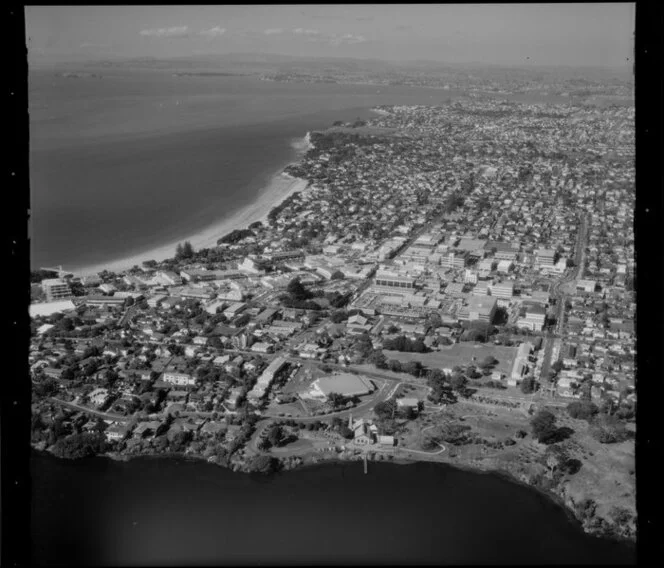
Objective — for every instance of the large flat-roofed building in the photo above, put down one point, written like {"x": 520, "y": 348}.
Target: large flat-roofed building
{"x": 104, "y": 301}
{"x": 283, "y": 256}
{"x": 481, "y": 308}
{"x": 344, "y": 384}
{"x": 425, "y": 242}
{"x": 503, "y": 289}
{"x": 586, "y": 285}
{"x": 56, "y": 289}
{"x": 471, "y": 245}
{"x": 266, "y": 377}
{"x": 169, "y": 278}
{"x": 49, "y": 308}
{"x": 545, "y": 256}
{"x": 520, "y": 365}
{"x": 386, "y": 279}
{"x": 534, "y": 318}
{"x": 452, "y": 260}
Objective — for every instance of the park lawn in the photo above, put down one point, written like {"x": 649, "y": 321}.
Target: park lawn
{"x": 299, "y": 445}
{"x": 460, "y": 354}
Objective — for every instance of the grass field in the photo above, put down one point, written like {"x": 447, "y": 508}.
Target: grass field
{"x": 460, "y": 354}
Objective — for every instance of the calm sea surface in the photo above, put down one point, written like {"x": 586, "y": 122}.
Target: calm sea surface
{"x": 122, "y": 164}
{"x": 176, "y": 512}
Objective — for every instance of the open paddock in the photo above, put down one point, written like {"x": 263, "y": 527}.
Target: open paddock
{"x": 460, "y": 354}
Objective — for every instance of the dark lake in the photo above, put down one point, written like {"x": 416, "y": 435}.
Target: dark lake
{"x": 179, "y": 512}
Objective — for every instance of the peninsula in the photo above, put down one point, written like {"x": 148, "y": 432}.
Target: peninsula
{"x": 452, "y": 283}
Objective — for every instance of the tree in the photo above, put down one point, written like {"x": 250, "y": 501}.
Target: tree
{"x": 377, "y": 357}
{"x": 263, "y": 464}
{"x": 386, "y": 409}
{"x": 488, "y": 361}
{"x": 297, "y": 291}
{"x": 544, "y": 422}
{"x": 582, "y": 410}
{"x": 608, "y": 429}
{"x": 346, "y": 432}
{"x": 528, "y": 385}
{"x": 557, "y": 366}
{"x": 338, "y": 316}
{"x": 336, "y": 399}
{"x": 458, "y": 381}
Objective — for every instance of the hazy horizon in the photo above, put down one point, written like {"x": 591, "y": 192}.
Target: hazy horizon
{"x": 506, "y": 35}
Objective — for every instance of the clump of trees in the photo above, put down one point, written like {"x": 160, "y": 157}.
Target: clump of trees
{"x": 81, "y": 445}
{"x": 276, "y": 436}
{"x": 608, "y": 429}
{"x": 558, "y": 461}
{"x": 184, "y": 251}
{"x": 297, "y": 296}
{"x": 337, "y": 400}
{"x": 544, "y": 428}
{"x": 442, "y": 391}
{"x": 582, "y": 410}
{"x": 263, "y": 464}
{"x": 235, "y": 236}
{"x": 528, "y": 385}
{"x": 405, "y": 345}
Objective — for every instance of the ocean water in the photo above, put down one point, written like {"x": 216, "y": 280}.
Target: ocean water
{"x": 122, "y": 164}
{"x": 154, "y": 511}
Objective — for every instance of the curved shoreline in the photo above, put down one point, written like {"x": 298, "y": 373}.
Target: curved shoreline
{"x": 311, "y": 459}
{"x": 280, "y": 187}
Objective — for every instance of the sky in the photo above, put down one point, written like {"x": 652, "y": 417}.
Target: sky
{"x": 499, "y": 34}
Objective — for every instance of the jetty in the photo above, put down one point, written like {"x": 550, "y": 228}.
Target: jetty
{"x": 365, "y": 464}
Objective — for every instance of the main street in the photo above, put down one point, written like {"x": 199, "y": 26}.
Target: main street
{"x": 559, "y": 291}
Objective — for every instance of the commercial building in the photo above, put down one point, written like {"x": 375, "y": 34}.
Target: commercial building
{"x": 586, "y": 285}
{"x": 452, "y": 260}
{"x": 104, "y": 301}
{"x": 481, "y": 308}
{"x": 168, "y": 277}
{"x": 197, "y": 293}
{"x": 534, "y": 318}
{"x": 504, "y": 266}
{"x": 387, "y": 279}
{"x": 545, "y": 257}
{"x": 56, "y": 289}
{"x": 266, "y": 378}
{"x": 503, "y": 289}
{"x": 520, "y": 366}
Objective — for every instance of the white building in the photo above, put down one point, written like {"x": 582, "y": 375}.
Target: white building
{"x": 180, "y": 379}
{"x": 56, "y": 289}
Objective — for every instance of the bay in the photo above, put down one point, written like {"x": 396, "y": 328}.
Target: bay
{"x": 164, "y": 511}
{"x": 122, "y": 164}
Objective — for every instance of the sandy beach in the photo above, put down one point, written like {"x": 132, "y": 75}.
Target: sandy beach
{"x": 280, "y": 187}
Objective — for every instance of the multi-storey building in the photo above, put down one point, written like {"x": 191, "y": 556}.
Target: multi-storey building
{"x": 56, "y": 289}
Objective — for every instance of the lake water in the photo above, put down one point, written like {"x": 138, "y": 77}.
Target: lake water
{"x": 179, "y": 512}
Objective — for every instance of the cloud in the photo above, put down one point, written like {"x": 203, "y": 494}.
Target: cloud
{"x": 331, "y": 38}
{"x": 273, "y": 31}
{"x": 216, "y": 31}
{"x": 175, "y": 31}
{"x": 310, "y": 33}
{"x": 337, "y": 39}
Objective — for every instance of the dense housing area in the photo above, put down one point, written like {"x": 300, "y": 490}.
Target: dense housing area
{"x": 455, "y": 284}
